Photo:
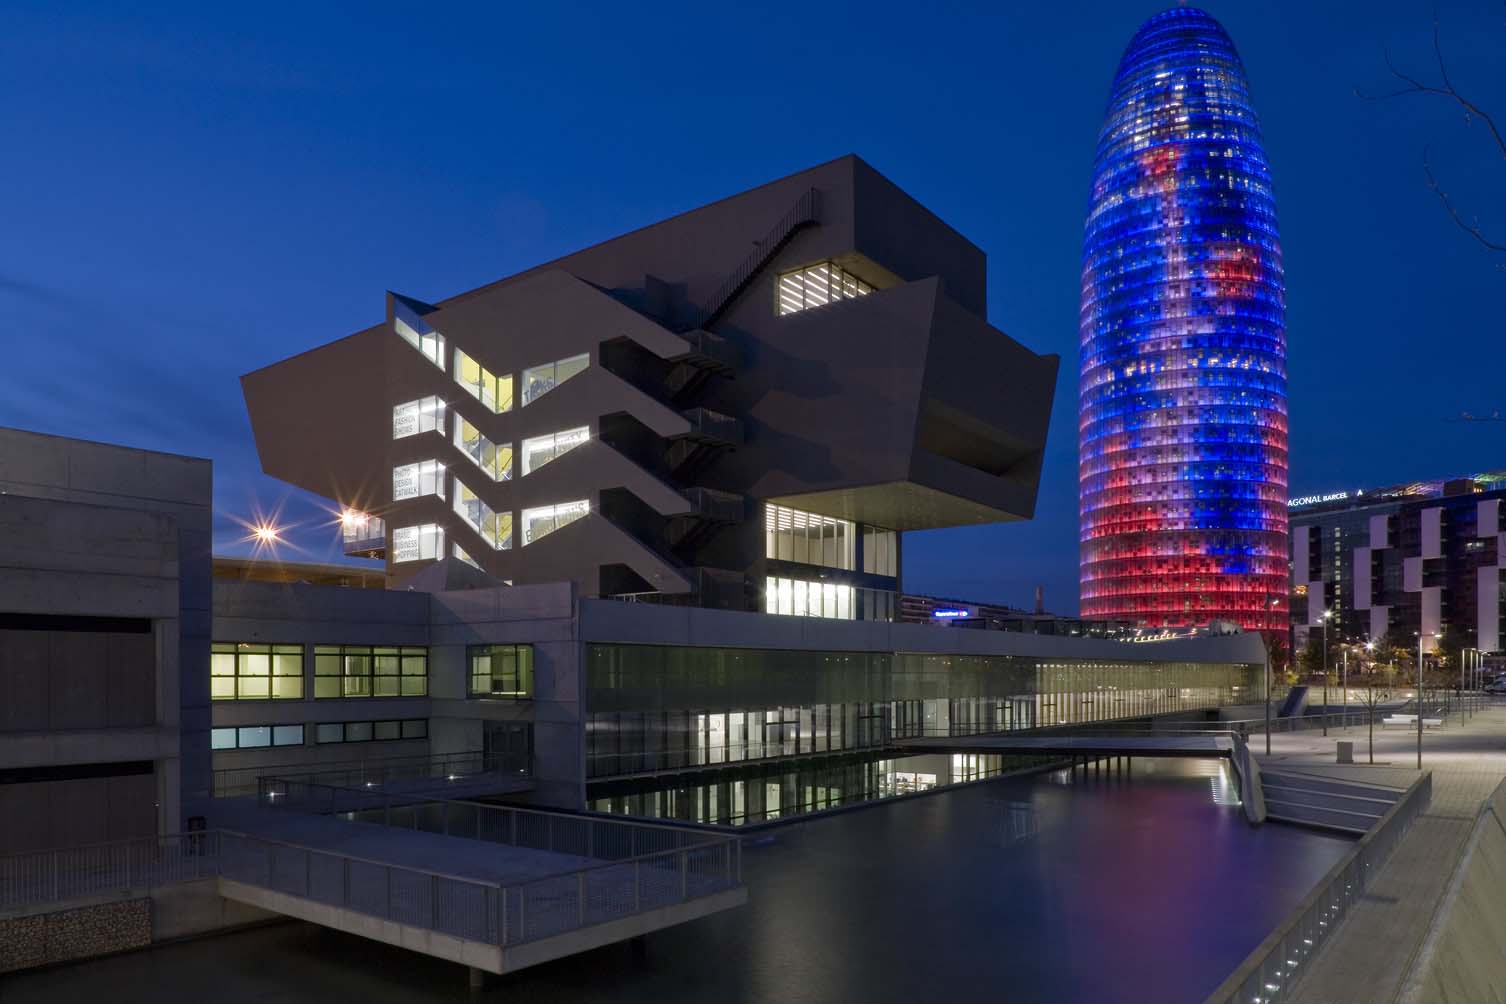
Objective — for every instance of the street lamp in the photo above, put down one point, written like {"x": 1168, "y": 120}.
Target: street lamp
{"x": 1370, "y": 698}
{"x": 1275, "y": 602}
{"x": 1327, "y": 616}
{"x": 1421, "y": 637}
{"x": 1344, "y": 687}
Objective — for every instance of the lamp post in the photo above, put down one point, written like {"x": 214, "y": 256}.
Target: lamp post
{"x": 1463, "y": 706}
{"x": 1344, "y": 688}
{"x": 1327, "y": 616}
{"x": 1275, "y": 602}
{"x": 1370, "y": 699}
{"x": 1421, "y": 636}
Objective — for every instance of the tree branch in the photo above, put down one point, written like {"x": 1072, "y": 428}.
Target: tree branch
{"x": 1473, "y": 229}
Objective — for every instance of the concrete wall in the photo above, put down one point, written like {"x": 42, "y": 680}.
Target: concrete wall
{"x": 309, "y": 615}
{"x": 1461, "y": 960}
{"x": 89, "y": 530}
{"x": 544, "y": 617}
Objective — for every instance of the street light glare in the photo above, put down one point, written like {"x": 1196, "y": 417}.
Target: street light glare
{"x": 266, "y": 533}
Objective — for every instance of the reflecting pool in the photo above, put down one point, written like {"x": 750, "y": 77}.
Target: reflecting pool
{"x": 1142, "y": 886}
{"x": 766, "y": 793}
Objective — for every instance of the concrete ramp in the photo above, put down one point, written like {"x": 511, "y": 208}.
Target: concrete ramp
{"x": 1315, "y": 800}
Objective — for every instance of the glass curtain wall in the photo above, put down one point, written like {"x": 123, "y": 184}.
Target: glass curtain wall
{"x": 660, "y": 707}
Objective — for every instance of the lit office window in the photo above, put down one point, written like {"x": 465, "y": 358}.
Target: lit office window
{"x": 413, "y": 480}
{"x": 495, "y": 528}
{"x": 544, "y": 520}
{"x": 366, "y": 732}
{"x": 485, "y": 386}
{"x": 540, "y": 380}
{"x": 795, "y": 535}
{"x": 412, "y": 329}
{"x": 880, "y": 551}
{"x": 413, "y": 417}
{"x": 539, "y": 450}
{"x": 417, "y": 543}
{"x": 501, "y": 671}
{"x": 461, "y": 554}
{"x": 495, "y": 460}
{"x": 249, "y": 737}
{"x": 370, "y": 671}
{"x": 808, "y": 599}
{"x": 247, "y": 672}
{"x": 816, "y": 286}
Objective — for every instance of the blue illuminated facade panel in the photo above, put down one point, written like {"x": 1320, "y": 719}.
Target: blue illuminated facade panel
{"x": 1182, "y": 435}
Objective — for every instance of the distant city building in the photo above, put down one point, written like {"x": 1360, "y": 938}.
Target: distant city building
{"x": 1425, "y": 556}
{"x": 1183, "y": 424}
{"x": 915, "y": 609}
{"x": 742, "y": 407}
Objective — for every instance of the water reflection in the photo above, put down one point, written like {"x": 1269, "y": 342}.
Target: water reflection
{"x": 758, "y": 794}
{"x": 762, "y": 794}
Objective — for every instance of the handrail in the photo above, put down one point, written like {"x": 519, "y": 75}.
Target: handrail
{"x": 802, "y": 212}
{"x": 1270, "y": 971}
{"x": 357, "y": 858}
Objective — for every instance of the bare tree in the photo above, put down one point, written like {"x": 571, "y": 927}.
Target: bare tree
{"x": 1471, "y": 110}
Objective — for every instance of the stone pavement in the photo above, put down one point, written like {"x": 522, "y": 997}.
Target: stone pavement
{"x": 1368, "y": 958}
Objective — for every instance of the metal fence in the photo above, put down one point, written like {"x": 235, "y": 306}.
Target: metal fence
{"x": 608, "y": 868}
{"x": 358, "y": 773}
{"x": 43, "y": 877}
{"x": 1269, "y": 973}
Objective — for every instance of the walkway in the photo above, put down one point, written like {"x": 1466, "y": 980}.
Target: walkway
{"x": 1368, "y": 958}
{"x": 1193, "y": 745}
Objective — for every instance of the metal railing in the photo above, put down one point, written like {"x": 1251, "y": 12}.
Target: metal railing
{"x": 612, "y": 868}
{"x": 357, "y": 773}
{"x": 1268, "y": 974}
{"x": 802, "y": 212}
{"x": 37, "y": 878}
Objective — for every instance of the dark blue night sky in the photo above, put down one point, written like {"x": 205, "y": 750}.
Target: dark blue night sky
{"x": 193, "y": 192}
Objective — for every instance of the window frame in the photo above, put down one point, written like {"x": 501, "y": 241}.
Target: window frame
{"x": 525, "y": 675}
{"x": 242, "y": 653}
{"x": 406, "y": 665}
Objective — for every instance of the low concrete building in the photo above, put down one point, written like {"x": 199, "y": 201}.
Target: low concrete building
{"x": 104, "y": 640}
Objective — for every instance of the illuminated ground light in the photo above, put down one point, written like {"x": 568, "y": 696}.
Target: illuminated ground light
{"x": 1182, "y": 426}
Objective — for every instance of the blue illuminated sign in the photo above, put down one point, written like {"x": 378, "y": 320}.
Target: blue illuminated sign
{"x": 951, "y": 614}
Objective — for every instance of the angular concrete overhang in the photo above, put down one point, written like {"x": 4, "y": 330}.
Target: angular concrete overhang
{"x": 900, "y": 409}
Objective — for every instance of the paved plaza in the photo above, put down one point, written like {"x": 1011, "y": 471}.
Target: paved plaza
{"x": 1369, "y": 957}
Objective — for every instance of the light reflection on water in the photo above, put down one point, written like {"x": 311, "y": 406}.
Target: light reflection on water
{"x": 758, "y": 794}
{"x": 1115, "y": 887}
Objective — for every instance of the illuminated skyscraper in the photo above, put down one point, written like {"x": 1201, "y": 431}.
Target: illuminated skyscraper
{"x": 1182, "y": 454}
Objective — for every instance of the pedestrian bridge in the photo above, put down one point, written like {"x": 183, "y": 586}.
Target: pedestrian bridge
{"x": 1193, "y": 744}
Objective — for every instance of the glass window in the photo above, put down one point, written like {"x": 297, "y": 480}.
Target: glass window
{"x": 249, "y": 672}
{"x": 411, "y": 481}
{"x": 417, "y": 543}
{"x": 544, "y": 520}
{"x": 357, "y": 732}
{"x": 495, "y": 460}
{"x": 540, "y": 380}
{"x": 222, "y": 739}
{"x": 416, "y": 728}
{"x": 254, "y": 736}
{"x": 329, "y": 732}
{"x": 501, "y": 671}
{"x": 539, "y": 450}
{"x": 413, "y": 417}
{"x": 367, "y": 671}
{"x": 815, "y": 286}
{"x": 880, "y": 551}
{"x": 809, "y": 538}
{"x": 417, "y": 333}
{"x": 491, "y": 390}
{"x": 808, "y": 599}
{"x": 495, "y": 528}
{"x": 386, "y": 730}
{"x": 461, "y": 554}
{"x": 287, "y": 735}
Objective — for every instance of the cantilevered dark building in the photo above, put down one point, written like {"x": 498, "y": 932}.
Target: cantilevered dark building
{"x": 744, "y": 407}
{"x": 1182, "y": 425}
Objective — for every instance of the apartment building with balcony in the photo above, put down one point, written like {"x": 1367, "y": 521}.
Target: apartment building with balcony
{"x": 743, "y": 407}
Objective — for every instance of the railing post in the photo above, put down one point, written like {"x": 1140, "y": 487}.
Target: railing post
{"x": 637, "y": 885}
{"x": 345, "y": 882}
{"x": 433, "y": 902}
{"x": 580, "y": 896}
{"x": 56, "y": 879}
{"x": 502, "y": 906}
{"x": 684, "y": 875}
{"x": 512, "y": 816}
